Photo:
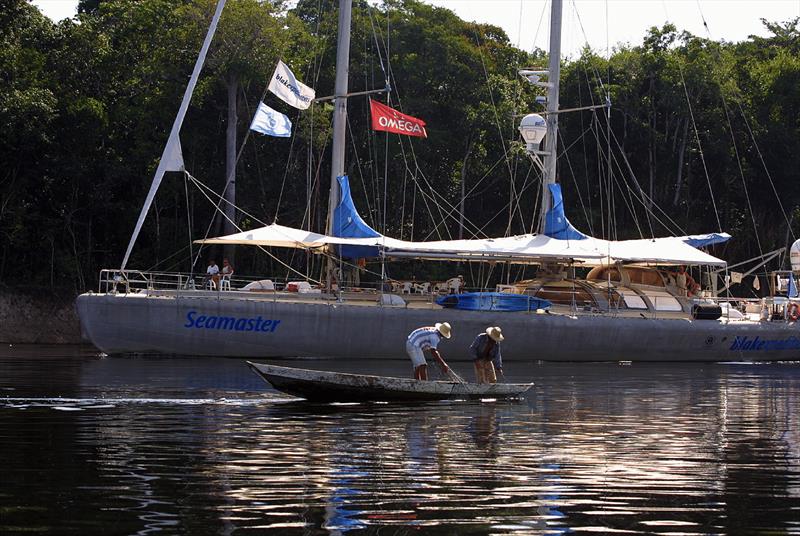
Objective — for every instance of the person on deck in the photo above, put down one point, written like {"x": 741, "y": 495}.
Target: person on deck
{"x": 485, "y": 351}
{"x": 227, "y": 269}
{"x": 687, "y": 286}
{"x": 212, "y": 272}
{"x": 427, "y": 338}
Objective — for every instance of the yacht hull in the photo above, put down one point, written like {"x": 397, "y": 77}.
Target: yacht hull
{"x": 240, "y": 327}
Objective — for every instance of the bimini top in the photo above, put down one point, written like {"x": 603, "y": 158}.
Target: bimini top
{"x": 561, "y": 242}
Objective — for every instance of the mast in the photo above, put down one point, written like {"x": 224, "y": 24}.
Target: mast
{"x": 551, "y": 140}
{"x": 171, "y": 158}
{"x": 340, "y": 111}
{"x": 339, "y": 117}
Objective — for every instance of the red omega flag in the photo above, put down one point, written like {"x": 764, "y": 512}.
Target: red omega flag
{"x": 390, "y": 120}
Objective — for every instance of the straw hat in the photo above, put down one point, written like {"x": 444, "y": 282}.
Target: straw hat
{"x": 495, "y": 333}
{"x": 444, "y": 329}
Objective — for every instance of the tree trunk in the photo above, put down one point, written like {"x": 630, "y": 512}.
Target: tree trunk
{"x": 651, "y": 166}
{"x": 681, "y": 155}
{"x": 651, "y": 157}
{"x": 232, "y": 83}
{"x": 463, "y": 188}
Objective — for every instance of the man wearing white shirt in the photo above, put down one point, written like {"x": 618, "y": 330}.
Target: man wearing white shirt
{"x": 212, "y": 272}
{"x": 426, "y": 338}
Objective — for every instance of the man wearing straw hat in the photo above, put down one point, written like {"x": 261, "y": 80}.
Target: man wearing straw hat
{"x": 485, "y": 351}
{"x": 427, "y": 338}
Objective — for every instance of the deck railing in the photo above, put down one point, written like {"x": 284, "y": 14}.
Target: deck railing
{"x": 113, "y": 281}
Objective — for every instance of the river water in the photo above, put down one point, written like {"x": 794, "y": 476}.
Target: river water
{"x": 105, "y": 445}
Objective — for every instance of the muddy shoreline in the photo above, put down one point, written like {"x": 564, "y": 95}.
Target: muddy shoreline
{"x": 38, "y": 317}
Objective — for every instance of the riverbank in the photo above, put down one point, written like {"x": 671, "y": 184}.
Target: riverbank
{"x": 38, "y": 317}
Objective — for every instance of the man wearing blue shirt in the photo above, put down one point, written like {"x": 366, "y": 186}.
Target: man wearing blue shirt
{"x": 426, "y": 338}
{"x": 485, "y": 351}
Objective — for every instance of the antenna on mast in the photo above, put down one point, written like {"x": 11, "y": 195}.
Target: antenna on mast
{"x": 534, "y": 127}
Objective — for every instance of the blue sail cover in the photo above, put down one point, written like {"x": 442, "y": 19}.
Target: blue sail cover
{"x": 556, "y": 224}
{"x": 700, "y": 241}
{"x": 347, "y": 223}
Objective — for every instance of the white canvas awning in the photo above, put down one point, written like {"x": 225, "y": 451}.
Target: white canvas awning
{"x": 520, "y": 248}
{"x": 272, "y": 236}
{"x": 669, "y": 251}
{"x": 529, "y": 248}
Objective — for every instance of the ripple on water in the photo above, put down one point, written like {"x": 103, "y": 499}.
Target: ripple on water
{"x": 668, "y": 451}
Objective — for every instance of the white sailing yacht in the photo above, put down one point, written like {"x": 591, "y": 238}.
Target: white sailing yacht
{"x": 630, "y": 307}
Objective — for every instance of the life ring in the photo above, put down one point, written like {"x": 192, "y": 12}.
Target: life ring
{"x": 793, "y": 313}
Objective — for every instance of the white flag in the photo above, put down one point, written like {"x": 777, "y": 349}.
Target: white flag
{"x": 271, "y": 122}
{"x": 289, "y": 89}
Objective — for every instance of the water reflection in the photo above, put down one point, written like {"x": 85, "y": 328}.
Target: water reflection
{"x": 154, "y": 445}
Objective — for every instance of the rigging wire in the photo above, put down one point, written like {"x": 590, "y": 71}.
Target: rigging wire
{"x": 587, "y": 213}
{"x": 188, "y": 213}
{"x": 741, "y": 173}
{"x": 360, "y": 173}
{"x": 386, "y": 155}
{"x": 499, "y": 131}
{"x": 645, "y": 200}
{"x": 608, "y": 190}
{"x": 699, "y": 144}
{"x": 760, "y": 156}
{"x": 766, "y": 170}
{"x": 738, "y": 158}
{"x": 206, "y": 190}
{"x": 478, "y": 232}
{"x": 436, "y": 197}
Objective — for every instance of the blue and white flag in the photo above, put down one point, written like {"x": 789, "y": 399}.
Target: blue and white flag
{"x": 271, "y": 122}
{"x": 791, "y": 292}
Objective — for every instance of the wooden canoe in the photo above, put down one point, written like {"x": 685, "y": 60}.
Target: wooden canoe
{"x": 322, "y": 386}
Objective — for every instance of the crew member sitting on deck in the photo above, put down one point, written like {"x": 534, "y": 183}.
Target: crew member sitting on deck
{"x": 212, "y": 273}
{"x": 485, "y": 350}
{"x": 226, "y": 273}
{"x": 227, "y": 269}
{"x": 426, "y": 338}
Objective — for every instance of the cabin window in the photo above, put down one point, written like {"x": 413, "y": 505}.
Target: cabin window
{"x": 663, "y": 301}
{"x": 631, "y": 299}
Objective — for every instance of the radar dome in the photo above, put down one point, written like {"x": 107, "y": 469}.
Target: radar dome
{"x": 533, "y": 128}
{"x": 794, "y": 256}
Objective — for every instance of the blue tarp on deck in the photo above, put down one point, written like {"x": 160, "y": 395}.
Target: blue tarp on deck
{"x": 492, "y": 301}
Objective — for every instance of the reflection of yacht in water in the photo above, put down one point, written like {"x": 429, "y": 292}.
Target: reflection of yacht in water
{"x": 633, "y": 304}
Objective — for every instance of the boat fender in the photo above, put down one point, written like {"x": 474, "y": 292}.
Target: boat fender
{"x": 793, "y": 313}
{"x": 706, "y": 311}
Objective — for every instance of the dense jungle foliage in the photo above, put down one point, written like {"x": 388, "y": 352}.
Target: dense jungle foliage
{"x": 704, "y": 135}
